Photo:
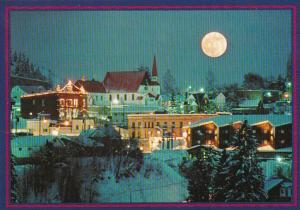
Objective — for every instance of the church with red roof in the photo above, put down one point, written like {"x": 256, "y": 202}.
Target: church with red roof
{"x": 139, "y": 87}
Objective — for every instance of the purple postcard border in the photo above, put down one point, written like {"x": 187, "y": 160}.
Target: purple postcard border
{"x": 161, "y": 7}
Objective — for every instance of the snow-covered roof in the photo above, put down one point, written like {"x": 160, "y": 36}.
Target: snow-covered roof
{"x": 93, "y": 137}
{"x": 223, "y": 120}
{"x": 271, "y": 183}
{"x": 286, "y": 149}
{"x": 136, "y": 109}
{"x": 267, "y": 148}
{"x": 249, "y": 103}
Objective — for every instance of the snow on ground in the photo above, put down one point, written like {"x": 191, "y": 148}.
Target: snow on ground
{"x": 162, "y": 183}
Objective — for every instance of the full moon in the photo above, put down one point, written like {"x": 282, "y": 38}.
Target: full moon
{"x": 214, "y": 44}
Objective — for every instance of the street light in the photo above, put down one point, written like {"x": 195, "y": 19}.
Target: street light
{"x": 269, "y": 94}
{"x": 201, "y": 90}
{"x": 279, "y": 159}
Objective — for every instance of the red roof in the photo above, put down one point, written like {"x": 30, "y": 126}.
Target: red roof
{"x": 127, "y": 81}
{"x": 91, "y": 86}
{"x": 154, "y": 68}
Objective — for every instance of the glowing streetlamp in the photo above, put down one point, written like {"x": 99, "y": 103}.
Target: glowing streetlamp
{"x": 269, "y": 94}
{"x": 201, "y": 90}
{"x": 279, "y": 159}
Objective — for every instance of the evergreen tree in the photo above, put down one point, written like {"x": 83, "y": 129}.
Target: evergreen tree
{"x": 13, "y": 181}
{"x": 200, "y": 175}
{"x": 245, "y": 180}
{"x": 222, "y": 172}
{"x": 198, "y": 185}
{"x": 260, "y": 107}
{"x": 173, "y": 105}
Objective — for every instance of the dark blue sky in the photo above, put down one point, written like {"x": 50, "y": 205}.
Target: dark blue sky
{"x": 73, "y": 43}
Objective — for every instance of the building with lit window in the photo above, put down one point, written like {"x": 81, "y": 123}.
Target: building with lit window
{"x": 270, "y": 130}
{"x": 156, "y": 127}
{"x": 60, "y": 104}
{"x": 123, "y": 88}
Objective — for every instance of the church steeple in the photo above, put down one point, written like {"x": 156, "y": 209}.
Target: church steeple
{"x": 154, "y": 70}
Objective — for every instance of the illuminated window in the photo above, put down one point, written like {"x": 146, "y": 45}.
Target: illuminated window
{"x": 253, "y": 131}
{"x": 33, "y": 102}
{"x": 69, "y": 102}
{"x": 62, "y": 102}
{"x": 282, "y": 131}
{"x": 76, "y": 102}
{"x": 83, "y": 102}
{"x": 282, "y": 141}
{"x": 43, "y": 102}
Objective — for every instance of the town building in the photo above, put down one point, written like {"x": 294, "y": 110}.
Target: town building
{"x": 272, "y": 130}
{"x": 61, "y": 104}
{"x": 220, "y": 101}
{"x": 154, "y": 128}
{"x": 122, "y": 93}
{"x": 45, "y": 126}
{"x": 15, "y": 98}
{"x": 119, "y": 113}
{"x": 123, "y": 88}
{"x": 278, "y": 189}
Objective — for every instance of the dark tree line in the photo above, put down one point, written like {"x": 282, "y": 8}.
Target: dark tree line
{"x": 21, "y": 66}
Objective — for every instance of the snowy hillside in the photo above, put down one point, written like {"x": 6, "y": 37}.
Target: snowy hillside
{"x": 157, "y": 181}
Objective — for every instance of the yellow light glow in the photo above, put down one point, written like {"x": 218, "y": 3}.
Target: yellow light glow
{"x": 54, "y": 133}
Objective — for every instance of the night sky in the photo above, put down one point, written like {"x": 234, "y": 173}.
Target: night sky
{"x": 73, "y": 43}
